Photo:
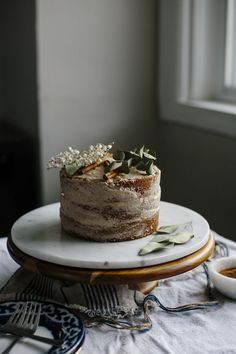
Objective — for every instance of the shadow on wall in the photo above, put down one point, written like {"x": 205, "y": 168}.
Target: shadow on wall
{"x": 17, "y": 176}
{"x": 19, "y": 138}
{"x": 198, "y": 171}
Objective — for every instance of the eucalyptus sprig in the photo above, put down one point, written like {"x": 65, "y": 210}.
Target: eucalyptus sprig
{"x": 142, "y": 158}
{"x": 167, "y": 237}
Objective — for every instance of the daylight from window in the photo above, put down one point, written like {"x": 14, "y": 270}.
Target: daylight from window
{"x": 230, "y": 45}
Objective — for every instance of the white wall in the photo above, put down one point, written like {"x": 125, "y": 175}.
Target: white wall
{"x": 96, "y": 76}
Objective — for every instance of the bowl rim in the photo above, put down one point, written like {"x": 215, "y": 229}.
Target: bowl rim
{"x": 222, "y": 260}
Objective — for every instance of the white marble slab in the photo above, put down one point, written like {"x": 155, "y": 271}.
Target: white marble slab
{"x": 38, "y": 233}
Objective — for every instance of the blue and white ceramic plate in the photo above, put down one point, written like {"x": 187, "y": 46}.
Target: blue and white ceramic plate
{"x": 55, "y": 322}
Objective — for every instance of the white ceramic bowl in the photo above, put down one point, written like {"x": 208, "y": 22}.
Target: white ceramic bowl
{"x": 222, "y": 283}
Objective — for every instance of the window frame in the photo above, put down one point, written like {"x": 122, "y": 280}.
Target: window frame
{"x": 180, "y": 98}
{"x": 230, "y": 48}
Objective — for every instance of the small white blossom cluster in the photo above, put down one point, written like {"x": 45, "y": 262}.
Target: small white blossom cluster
{"x": 76, "y": 158}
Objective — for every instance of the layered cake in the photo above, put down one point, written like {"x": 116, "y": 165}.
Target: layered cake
{"x": 109, "y": 197}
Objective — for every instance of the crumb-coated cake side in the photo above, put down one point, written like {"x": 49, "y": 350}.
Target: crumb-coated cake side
{"x": 108, "y": 197}
{"x": 117, "y": 209}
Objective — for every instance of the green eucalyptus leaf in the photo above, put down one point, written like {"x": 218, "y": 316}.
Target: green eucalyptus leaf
{"x": 129, "y": 162}
{"x": 131, "y": 155}
{"x": 119, "y": 155}
{"x": 140, "y": 157}
{"x": 71, "y": 169}
{"x": 134, "y": 154}
{"x": 112, "y": 166}
{"x": 135, "y": 160}
{"x": 152, "y": 152}
{"x": 181, "y": 237}
{"x": 128, "y": 154}
{"x": 140, "y": 152}
{"x": 152, "y": 247}
{"x": 149, "y": 169}
{"x": 170, "y": 245}
{"x": 149, "y": 156}
{"x": 124, "y": 167}
{"x": 170, "y": 229}
{"x": 141, "y": 165}
{"x": 126, "y": 164}
{"x": 161, "y": 238}
{"x": 167, "y": 240}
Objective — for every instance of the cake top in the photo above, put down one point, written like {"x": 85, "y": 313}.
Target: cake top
{"x": 98, "y": 174}
{"x": 105, "y": 164}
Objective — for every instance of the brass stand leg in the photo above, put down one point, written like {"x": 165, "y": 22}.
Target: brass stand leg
{"x": 145, "y": 287}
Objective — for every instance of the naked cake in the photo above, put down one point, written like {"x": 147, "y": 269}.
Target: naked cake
{"x": 108, "y": 197}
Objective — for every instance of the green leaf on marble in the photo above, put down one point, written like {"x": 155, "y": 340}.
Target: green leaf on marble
{"x": 161, "y": 238}
{"x": 170, "y": 229}
{"x": 152, "y": 247}
{"x": 169, "y": 236}
{"x": 181, "y": 237}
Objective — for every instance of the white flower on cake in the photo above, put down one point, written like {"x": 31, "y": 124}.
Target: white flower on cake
{"x": 73, "y": 159}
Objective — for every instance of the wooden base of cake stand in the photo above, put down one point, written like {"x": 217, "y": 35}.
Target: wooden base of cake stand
{"x": 143, "y": 279}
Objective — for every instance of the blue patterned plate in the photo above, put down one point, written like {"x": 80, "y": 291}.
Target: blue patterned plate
{"x": 56, "y": 321}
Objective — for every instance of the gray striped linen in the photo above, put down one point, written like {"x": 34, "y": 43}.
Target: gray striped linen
{"x": 115, "y": 301}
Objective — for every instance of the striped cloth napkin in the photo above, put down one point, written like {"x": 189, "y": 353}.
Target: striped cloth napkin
{"x": 95, "y": 301}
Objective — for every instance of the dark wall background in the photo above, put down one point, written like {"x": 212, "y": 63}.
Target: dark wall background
{"x": 19, "y": 165}
{"x": 199, "y": 172}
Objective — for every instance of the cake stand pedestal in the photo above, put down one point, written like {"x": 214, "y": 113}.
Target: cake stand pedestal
{"x": 38, "y": 244}
{"x": 143, "y": 279}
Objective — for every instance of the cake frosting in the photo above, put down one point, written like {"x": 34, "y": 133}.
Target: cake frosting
{"x": 122, "y": 208}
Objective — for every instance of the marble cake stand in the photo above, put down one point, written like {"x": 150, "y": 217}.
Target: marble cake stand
{"x": 38, "y": 244}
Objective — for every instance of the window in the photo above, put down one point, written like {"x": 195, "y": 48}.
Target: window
{"x": 230, "y": 46}
{"x": 198, "y": 63}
